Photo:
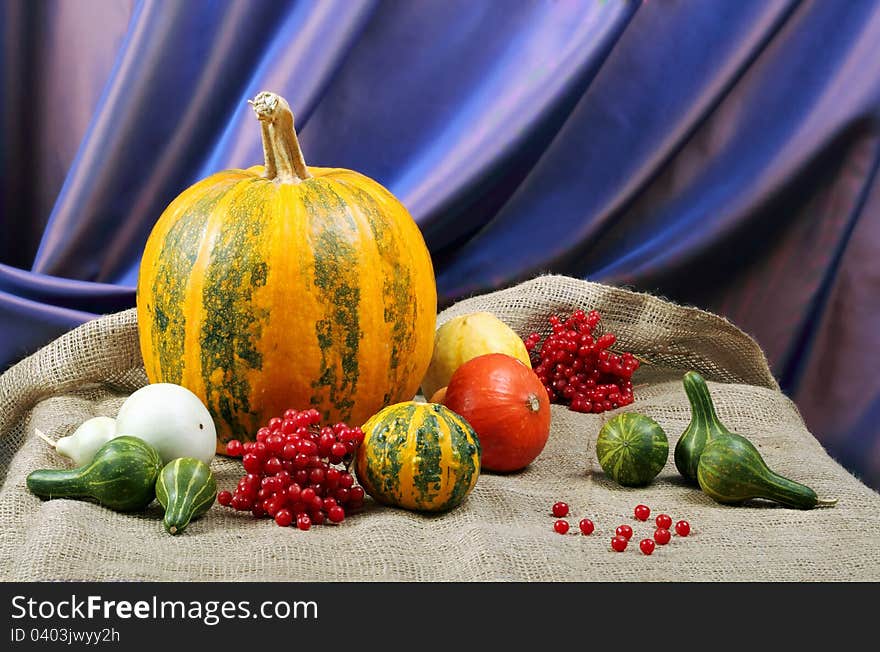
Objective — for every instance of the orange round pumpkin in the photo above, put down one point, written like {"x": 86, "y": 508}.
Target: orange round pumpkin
{"x": 287, "y": 286}
{"x": 506, "y": 404}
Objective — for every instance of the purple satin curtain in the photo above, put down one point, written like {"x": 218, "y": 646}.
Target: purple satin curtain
{"x": 721, "y": 154}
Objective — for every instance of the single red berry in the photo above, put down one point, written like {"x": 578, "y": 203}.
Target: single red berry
{"x": 336, "y": 514}
{"x": 275, "y": 444}
{"x": 586, "y": 526}
{"x": 647, "y": 546}
{"x": 224, "y": 498}
{"x": 272, "y": 465}
{"x": 661, "y": 536}
{"x": 307, "y": 495}
{"x": 356, "y": 494}
{"x": 624, "y": 531}
{"x": 338, "y": 449}
{"x": 664, "y": 521}
{"x": 560, "y": 509}
{"x": 303, "y": 522}
{"x": 251, "y": 463}
{"x": 642, "y": 512}
{"x": 683, "y": 528}
{"x": 234, "y": 448}
{"x": 283, "y": 517}
{"x": 561, "y": 526}
{"x": 618, "y": 543}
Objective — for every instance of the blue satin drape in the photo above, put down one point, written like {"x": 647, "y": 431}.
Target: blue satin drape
{"x": 722, "y": 154}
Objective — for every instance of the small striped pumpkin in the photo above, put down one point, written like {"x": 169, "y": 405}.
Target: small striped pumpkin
{"x": 286, "y": 286}
{"x": 419, "y": 456}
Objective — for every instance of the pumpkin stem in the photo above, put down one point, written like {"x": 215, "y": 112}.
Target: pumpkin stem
{"x": 284, "y": 159}
{"x": 534, "y": 403}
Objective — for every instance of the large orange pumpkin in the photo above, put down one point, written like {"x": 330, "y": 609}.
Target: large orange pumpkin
{"x": 287, "y": 286}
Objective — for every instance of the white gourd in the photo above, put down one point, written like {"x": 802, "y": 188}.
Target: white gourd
{"x": 171, "y": 418}
{"x": 81, "y": 445}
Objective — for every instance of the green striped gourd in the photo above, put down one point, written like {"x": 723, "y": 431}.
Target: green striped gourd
{"x": 703, "y": 427}
{"x": 632, "y": 449}
{"x": 419, "y": 456}
{"x": 731, "y": 470}
{"x": 186, "y": 489}
{"x": 122, "y": 476}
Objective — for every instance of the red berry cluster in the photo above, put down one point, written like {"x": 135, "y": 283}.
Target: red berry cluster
{"x": 577, "y": 369}
{"x": 290, "y": 472}
{"x": 624, "y": 532}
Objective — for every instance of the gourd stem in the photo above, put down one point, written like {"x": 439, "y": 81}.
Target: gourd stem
{"x": 39, "y": 433}
{"x": 284, "y": 159}
{"x": 826, "y": 502}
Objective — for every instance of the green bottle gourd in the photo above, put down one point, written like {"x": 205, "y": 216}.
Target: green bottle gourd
{"x": 122, "y": 476}
{"x": 704, "y": 426}
{"x": 186, "y": 488}
{"x": 731, "y": 471}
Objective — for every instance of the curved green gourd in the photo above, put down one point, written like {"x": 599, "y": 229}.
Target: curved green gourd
{"x": 731, "y": 470}
{"x": 186, "y": 488}
{"x": 704, "y": 426}
{"x": 632, "y": 449}
{"x": 121, "y": 476}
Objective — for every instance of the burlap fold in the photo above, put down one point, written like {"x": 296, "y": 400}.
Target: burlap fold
{"x": 503, "y": 531}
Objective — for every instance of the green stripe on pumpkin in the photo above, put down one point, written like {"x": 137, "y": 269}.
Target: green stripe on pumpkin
{"x": 180, "y": 249}
{"x": 466, "y": 448}
{"x": 427, "y": 475}
{"x": 230, "y": 333}
{"x": 399, "y": 301}
{"x": 336, "y": 277}
{"x": 388, "y": 449}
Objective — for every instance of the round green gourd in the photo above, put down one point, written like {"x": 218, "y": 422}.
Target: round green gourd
{"x": 186, "y": 488}
{"x": 632, "y": 449}
{"x": 121, "y": 476}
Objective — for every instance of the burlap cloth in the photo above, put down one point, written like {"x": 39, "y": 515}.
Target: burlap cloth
{"x": 503, "y": 531}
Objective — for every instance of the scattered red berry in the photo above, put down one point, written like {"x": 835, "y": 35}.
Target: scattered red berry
{"x": 290, "y": 472}
{"x": 624, "y": 531}
{"x": 661, "y": 536}
{"x": 683, "y": 528}
{"x": 618, "y": 543}
{"x": 561, "y": 526}
{"x": 560, "y": 509}
{"x": 647, "y": 546}
{"x": 642, "y": 512}
{"x": 576, "y": 367}
{"x": 664, "y": 521}
{"x": 586, "y": 526}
